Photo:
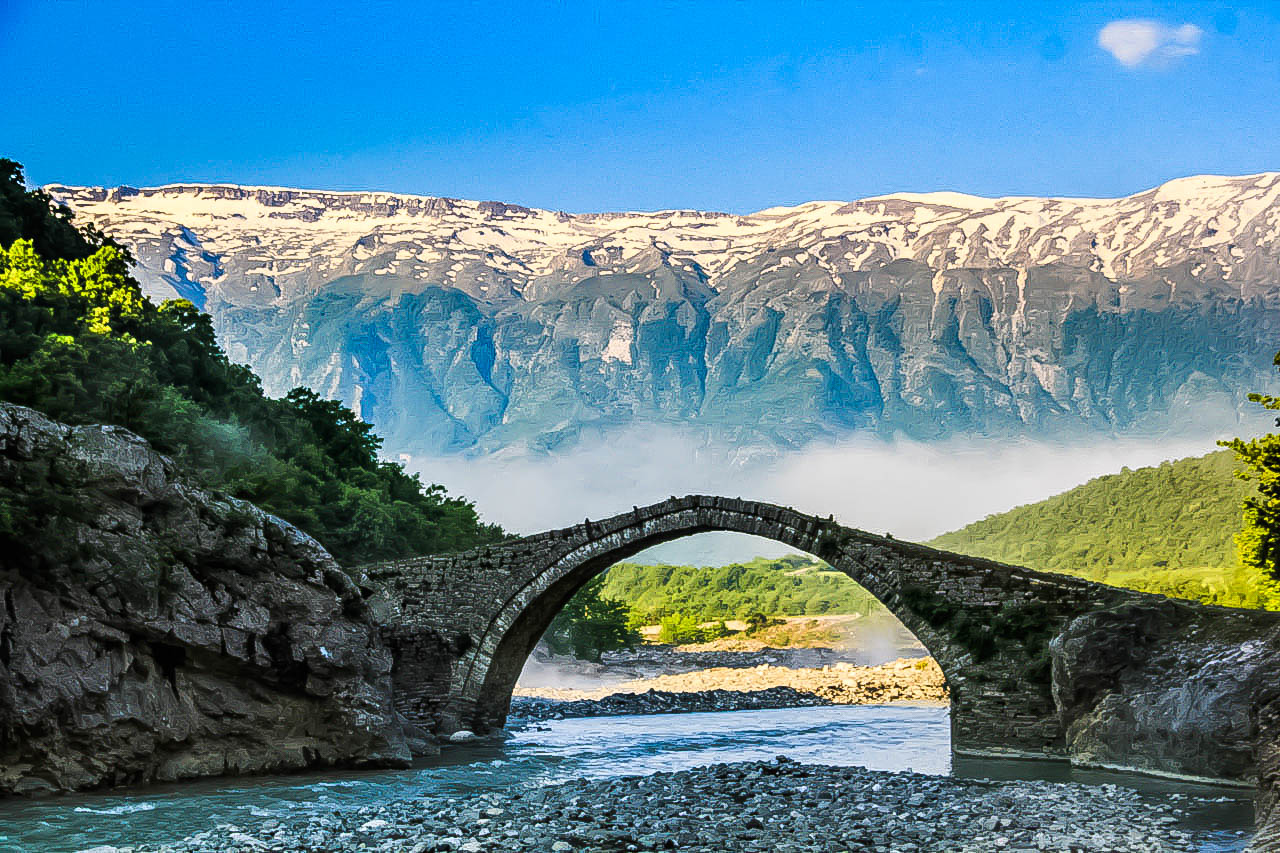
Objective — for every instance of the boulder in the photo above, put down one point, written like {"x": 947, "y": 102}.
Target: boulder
{"x": 1267, "y": 756}
{"x": 1164, "y": 686}
{"x": 153, "y": 630}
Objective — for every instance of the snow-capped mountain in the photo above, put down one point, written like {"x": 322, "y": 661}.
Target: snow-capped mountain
{"x": 456, "y": 324}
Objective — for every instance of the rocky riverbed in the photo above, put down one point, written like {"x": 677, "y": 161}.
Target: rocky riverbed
{"x": 758, "y": 806}
{"x": 860, "y": 641}
{"x": 526, "y": 709}
{"x": 918, "y": 681}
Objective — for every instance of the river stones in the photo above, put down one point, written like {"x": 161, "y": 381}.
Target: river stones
{"x": 753, "y": 807}
{"x": 531, "y": 709}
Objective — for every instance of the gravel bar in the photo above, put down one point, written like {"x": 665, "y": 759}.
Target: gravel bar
{"x": 760, "y": 807}
{"x": 526, "y": 709}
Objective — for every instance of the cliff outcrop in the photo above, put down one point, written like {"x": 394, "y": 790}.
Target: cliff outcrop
{"x": 1169, "y": 687}
{"x": 151, "y": 630}
{"x": 1266, "y": 709}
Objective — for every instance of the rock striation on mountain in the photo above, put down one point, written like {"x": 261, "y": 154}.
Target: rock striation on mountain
{"x": 459, "y": 325}
{"x": 153, "y": 631}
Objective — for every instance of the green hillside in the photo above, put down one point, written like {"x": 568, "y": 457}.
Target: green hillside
{"x": 788, "y": 586}
{"x": 1168, "y": 529}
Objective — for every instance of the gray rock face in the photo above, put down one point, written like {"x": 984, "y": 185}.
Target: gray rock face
{"x": 154, "y": 631}
{"x": 1168, "y": 687}
{"x": 457, "y": 325}
{"x": 1267, "y": 710}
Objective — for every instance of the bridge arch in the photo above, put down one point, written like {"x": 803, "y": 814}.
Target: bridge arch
{"x": 462, "y": 626}
{"x": 525, "y": 617}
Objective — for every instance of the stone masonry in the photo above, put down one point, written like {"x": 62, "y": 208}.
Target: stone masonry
{"x": 462, "y": 625}
{"x": 1037, "y": 664}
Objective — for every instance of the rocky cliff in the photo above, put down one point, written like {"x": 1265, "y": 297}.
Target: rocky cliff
{"x": 151, "y": 630}
{"x": 1174, "y": 688}
{"x": 458, "y": 325}
{"x": 1267, "y": 713}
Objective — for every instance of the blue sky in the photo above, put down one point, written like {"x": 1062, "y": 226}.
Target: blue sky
{"x": 637, "y": 105}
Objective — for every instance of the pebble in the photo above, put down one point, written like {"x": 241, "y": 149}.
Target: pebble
{"x": 748, "y": 807}
{"x": 525, "y": 709}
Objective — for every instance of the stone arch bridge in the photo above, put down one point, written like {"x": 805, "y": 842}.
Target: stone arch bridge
{"x": 462, "y": 625}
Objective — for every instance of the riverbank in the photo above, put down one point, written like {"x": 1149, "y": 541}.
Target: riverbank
{"x": 886, "y": 738}
{"x": 531, "y": 709}
{"x": 795, "y": 643}
{"x": 907, "y": 680}
{"x": 750, "y": 807}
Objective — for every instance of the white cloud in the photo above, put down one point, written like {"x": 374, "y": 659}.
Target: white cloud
{"x": 1144, "y": 43}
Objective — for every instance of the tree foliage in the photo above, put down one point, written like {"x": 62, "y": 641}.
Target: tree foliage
{"x": 691, "y": 603}
{"x": 32, "y": 214}
{"x": 590, "y": 624}
{"x": 788, "y": 586}
{"x": 681, "y": 628}
{"x": 1259, "y": 538}
{"x": 82, "y": 343}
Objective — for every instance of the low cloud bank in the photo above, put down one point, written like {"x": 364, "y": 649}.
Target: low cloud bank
{"x": 912, "y": 490}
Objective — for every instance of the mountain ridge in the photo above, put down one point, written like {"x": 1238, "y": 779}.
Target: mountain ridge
{"x": 926, "y": 196}
{"x": 457, "y": 325}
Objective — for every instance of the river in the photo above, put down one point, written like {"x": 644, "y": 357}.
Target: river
{"x": 880, "y": 737}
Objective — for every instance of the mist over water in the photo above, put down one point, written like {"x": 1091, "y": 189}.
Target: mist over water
{"x": 912, "y": 490}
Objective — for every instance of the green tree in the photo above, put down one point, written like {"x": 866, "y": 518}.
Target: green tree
{"x": 81, "y": 342}
{"x": 590, "y": 624}
{"x": 1259, "y": 539}
{"x": 793, "y": 585}
{"x": 32, "y": 214}
{"x": 680, "y": 628}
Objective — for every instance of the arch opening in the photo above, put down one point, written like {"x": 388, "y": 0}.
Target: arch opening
{"x": 533, "y": 613}
{"x": 727, "y": 611}
{"x": 462, "y": 625}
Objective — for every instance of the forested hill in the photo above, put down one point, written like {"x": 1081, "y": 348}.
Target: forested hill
{"x": 794, "y": 585}
{"x": 1168, "y": 529}
{"x": 80, "y": 342}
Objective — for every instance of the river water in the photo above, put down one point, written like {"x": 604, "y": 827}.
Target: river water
{"x": 880, "y": 737}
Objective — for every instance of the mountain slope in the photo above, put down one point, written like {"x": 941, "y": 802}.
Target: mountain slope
{"x": 457, "y": 325}
{"x": 1166, "y": 529}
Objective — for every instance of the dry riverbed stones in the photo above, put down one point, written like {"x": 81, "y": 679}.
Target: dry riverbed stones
{"x": 903, "y": 680}
{"x": 526, "y": 709}
{"x": 916, "y": 680}
{"x": 755, "y": 807}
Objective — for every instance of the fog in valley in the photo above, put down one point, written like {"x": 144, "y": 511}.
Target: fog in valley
{"x": 911, "y": 490}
